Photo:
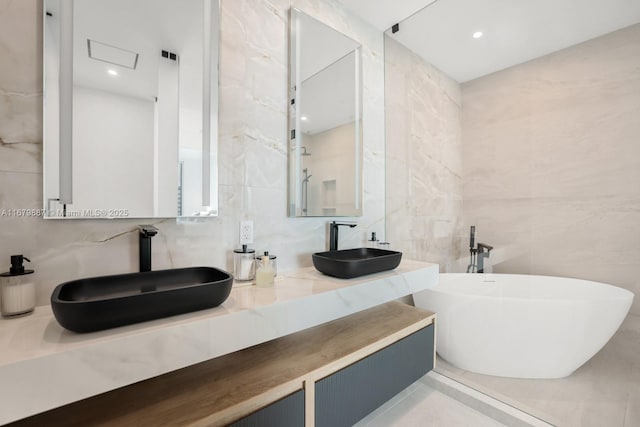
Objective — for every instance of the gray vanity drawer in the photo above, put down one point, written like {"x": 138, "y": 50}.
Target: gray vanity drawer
{"x": 286, "y": 412}
{"x": 343, "y": 398}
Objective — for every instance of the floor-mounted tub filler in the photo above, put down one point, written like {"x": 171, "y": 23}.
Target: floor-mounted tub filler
{"x": 523, "y": 326}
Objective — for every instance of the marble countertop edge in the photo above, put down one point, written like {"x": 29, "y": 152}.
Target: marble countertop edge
{"x": 43, "y": 366}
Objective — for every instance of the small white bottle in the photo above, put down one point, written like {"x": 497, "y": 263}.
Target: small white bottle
{"x": 265, "y": 273}
{"x": 18, "y": 292}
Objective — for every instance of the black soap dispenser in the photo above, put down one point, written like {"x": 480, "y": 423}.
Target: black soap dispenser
{"x": 17, "y": 290}
{"x": 373, "y": 242}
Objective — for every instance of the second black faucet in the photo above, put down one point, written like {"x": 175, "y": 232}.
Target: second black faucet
{"x": 333, "y": 234}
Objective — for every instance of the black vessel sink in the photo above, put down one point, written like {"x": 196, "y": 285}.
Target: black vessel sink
{"x": 350, "y": 263}
{"x": 104, "y": 302}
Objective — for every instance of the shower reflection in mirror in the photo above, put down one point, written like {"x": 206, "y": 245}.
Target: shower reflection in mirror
{"x": 325, "y": 120}
{"x": 305, "y": 191}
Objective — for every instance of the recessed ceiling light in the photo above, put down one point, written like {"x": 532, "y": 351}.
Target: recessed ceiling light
{"x": 111, "y": 54}
{"x": 477, "y": 34}
{"x": 112, "y": 72}
{"x": 304, "y": 118}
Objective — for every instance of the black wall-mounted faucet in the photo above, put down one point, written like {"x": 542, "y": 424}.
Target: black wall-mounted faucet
{"x": 146, "y": 232}
{"x": 333, "y": 234}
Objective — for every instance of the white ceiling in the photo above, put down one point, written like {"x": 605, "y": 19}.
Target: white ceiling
{"x": 329, "y": 98}
{"x": 319, "y": 45}
{"x": 514, "y": 31}
{"x": 382, "y": 14}
{"x": 327, "y": 68}
{"x": 145, "y": 27}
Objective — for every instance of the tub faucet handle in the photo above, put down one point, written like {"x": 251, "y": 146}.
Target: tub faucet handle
{"x": 483, "y": 246}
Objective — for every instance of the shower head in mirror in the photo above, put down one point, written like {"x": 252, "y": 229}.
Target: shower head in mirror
{"x": 325, "y": 116}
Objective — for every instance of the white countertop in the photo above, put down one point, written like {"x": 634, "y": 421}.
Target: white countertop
{"x": 43, "y": 366}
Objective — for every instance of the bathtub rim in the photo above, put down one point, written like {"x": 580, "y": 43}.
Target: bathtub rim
{"x": 624, "y": 293}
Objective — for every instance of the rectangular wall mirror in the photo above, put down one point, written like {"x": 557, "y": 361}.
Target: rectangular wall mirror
{"x": 130, "y": 108}
{"x": 325, "y": 120}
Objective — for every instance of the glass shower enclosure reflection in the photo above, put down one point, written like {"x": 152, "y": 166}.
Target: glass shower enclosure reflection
{"x": 521, "y": 118}
{"x": 325, "y": 141}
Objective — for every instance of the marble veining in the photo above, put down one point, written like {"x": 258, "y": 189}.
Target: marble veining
{"x": 252, "y": 153}
{"x": 551, "y": 161}
{"x": 40, "y": 356}
{"x": 424, "y": 161}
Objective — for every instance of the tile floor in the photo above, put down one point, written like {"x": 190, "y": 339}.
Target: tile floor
{"x": 421, "y": 405}
{"x": 603, "y": 392}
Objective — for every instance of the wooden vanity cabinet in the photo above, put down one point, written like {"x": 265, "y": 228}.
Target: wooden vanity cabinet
{"x": 329, "y": 375}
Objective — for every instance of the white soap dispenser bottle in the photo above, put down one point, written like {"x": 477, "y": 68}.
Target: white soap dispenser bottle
{"x": 265, "y": 273}
{"x": 18, "y": 292}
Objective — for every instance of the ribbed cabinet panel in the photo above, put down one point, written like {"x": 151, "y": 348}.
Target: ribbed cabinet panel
{"x": 347, "y": 396}
{"x": 286, "y": 412}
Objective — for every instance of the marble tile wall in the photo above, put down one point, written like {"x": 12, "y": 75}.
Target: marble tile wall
{"x": 551, "y": 159}
{"x": 252, "y": 152}
{"x": 424, "y": 158}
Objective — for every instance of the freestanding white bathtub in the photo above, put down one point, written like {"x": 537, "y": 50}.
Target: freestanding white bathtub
{"x": 522, "y": 326}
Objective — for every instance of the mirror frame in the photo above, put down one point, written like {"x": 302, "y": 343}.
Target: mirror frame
{"x": 210, "y": 110}
{"x": 294, "y": 192}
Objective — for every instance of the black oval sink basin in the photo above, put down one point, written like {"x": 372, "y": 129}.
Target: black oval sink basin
{"x": 350, "y": 263}
{"x": 97, "y": 303}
